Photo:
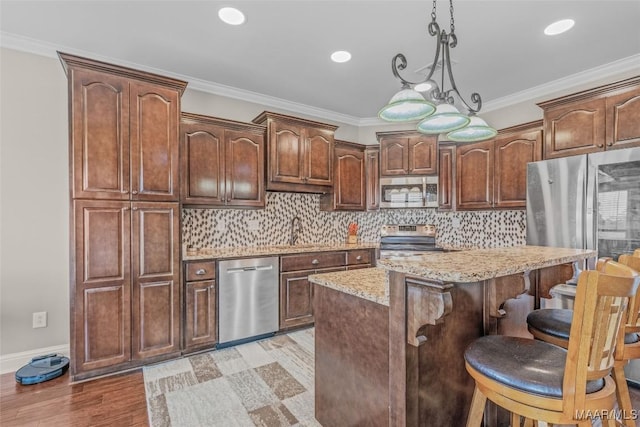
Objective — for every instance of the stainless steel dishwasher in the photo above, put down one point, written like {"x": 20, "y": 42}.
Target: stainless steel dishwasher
{"x": 247, "y": 298}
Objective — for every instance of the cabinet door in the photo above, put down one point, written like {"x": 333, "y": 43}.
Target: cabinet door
{"x": 200, "y": 314}
{"x": 245, "y": 168}
{"x": 156, "y": 282}
{"x": 296, "y": 298}
{"x": 349, "y": 186}
{"x": 394, "y": 156}
{"x": 203, "y": 174}
{"x": 446, "y": 177}
{"x": 99, "y": 135}
{"x": 101, "y": 285}
{"x": 154, "y": 117}
{"x": 574, "y": 129}
{"x": 318, "y": 157}
{"x": 372, "y": 179}
{"x": 512, "y": 153}
{"x": 285, "y": 154}
{"x": 623, "y": 120}
{"x": 422, "y": 155}
{"x": 474, "y": 175}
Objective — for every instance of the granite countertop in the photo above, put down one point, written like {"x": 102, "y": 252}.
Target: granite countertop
{"x": 252, "y": 251}
{"x": 481, "y": 264}
{"x": 368, "y": 283}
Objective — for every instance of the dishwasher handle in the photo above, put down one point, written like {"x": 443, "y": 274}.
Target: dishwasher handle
{"x": 253, "y": 268}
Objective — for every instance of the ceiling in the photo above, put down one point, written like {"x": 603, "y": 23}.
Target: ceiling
{"x": 282, "y": 51}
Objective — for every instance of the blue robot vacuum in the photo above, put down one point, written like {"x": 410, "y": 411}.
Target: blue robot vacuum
{"x": 42, "y": 368}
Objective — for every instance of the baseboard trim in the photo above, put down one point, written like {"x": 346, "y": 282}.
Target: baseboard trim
{"x": 14, "y": 361}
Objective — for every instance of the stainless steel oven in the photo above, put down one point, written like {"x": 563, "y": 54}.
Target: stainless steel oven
{"x": 409, "y": 192}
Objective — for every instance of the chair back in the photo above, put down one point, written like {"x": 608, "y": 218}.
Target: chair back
{"x": 636, "y": 253}
{"x": 633, "y": 320}
{"x": 601, "y": 305}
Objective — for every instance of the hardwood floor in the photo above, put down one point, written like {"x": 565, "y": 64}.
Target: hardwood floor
{"x": 112, "y": 401}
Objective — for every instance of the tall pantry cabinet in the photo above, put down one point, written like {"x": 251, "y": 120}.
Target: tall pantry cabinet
{"x": 125, "y": 237}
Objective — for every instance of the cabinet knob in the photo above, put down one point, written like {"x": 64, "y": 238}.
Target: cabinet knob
{"x": 609, "y": 144}
{"x": 211, "y": 286}
{"x": 201, "y": 272}
{"x": 134, "y": 209}
{"x": 315, "y": 262}
{"x": 600, "y": 145}
{"x": 306, "y": 178}
{"x": 125, "y": 191}
{"x": 134, "y": 192}
{"x": 359, "y": 258}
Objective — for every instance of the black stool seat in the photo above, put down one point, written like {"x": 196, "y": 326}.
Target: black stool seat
{"x": 528, "y": 365}
{"x": 556, "y": 322}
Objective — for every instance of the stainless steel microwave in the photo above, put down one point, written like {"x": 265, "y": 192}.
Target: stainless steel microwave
{"x": 409, "y": 192}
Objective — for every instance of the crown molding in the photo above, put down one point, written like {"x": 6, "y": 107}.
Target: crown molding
{"x": 38, "y": 47}
{"x": 538, "y": 93}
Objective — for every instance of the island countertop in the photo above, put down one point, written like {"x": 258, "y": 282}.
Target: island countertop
{"x": 481, "y": 264}
{"x": 367, "y": 283}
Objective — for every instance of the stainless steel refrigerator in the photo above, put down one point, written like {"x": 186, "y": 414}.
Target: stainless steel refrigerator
{"x": 590, "y": 201}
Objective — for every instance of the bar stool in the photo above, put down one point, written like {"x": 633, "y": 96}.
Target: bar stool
{"x": 554, "y": 325}
{"x": 541, "y": 381}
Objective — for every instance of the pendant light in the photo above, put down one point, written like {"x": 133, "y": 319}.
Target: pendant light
{"x": 460, "y": 127}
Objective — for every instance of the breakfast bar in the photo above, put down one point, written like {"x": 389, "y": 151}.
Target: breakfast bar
{"x": 390, "y": 340}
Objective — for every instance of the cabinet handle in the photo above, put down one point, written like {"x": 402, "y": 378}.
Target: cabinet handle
{"x": 125, "y": 209}
{"x": 600, "y": 145}
{"x": 125, "y": 191}
{"x": 201, "y": 272}
{"x": 609, "y": 144}
{"x": 134, "y": 209}
{"x": 306, "y": 178}
{"x": 359, "y": 258}
{"x": 211, "y": 286}
{"x": 134, "y": 192}
{"x": 315, "y": 262}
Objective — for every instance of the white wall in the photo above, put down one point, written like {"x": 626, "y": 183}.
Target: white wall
{"x": 34, "y": 185}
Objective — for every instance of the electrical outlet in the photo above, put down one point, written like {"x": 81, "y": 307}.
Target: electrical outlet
{"x": 455, "y": 222}
{"x": 253, "y": 224}
{"x": 40, "y": 319}
{"x": 221, "y": 226}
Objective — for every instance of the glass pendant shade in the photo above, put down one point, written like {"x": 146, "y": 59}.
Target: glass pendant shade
{"x": 406, "y": 105}
{"x": 477, "y": 130}
{"x": 447, "y": 118}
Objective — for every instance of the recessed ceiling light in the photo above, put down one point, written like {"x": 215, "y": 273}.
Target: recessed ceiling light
{"x": 231, "y": 16}
{"x": 559, "y": 27}
{"x": 340, "y": 56}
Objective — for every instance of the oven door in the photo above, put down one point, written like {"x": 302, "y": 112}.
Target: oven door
{"x": 409, "y": 192}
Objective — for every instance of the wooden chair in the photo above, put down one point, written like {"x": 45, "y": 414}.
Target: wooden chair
{"x": 541, "y": 381}
{"x": 554, "y": 325}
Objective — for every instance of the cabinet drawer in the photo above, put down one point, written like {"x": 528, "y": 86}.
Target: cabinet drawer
{"x": 203, "y": 270}
{"x": 359, "y": 257}
{"x": 312, "y": 261}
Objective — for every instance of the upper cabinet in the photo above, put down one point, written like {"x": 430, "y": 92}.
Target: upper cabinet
{"x": 372, "y": 178}
{"x": 604, "y": 118}
{"x": 124, "y": 132}
{"x": 349, "y": 179}
{"x": 222, "y": 162}
{"x": 446, "y": 177}
{"x": 299, "y": 153}
{"x": 491, "y": 174}
{"x": 407, "y": 153}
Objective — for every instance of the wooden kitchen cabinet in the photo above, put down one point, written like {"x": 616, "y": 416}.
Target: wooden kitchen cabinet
{"x": 125, "y": 288}
{"x": 300, "y": 153}
{"x": 296, "y": 292}
{"x": 125, "y": 233}
{"x": 372, "y": 178}
{"x": 493, "y": 173}
{"x": 200, "y": 305}
{"x": 407, "y": 153}
{"x": 446, "y": 177}
{"x": 222, "y": 162}
{"x": 603, "y": 118}
{"x": 349, "y": 178}
{"x": 124, "y": 132}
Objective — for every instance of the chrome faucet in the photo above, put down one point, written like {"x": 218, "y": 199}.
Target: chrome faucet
{"x": 296, "y": 227}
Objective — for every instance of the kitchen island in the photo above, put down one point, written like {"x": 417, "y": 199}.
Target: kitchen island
{"x": 390, "y": 341}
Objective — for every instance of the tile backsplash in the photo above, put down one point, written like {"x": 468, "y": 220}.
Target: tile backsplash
{"x": 202, "y": 228}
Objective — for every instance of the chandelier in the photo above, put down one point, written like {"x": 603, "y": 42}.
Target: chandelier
{"x": 437, "y": 113}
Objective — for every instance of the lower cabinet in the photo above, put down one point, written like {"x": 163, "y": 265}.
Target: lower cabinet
{"x": 125, "y": 307}
{"x": 200, "y": 305}
{"x": 296, "y": 292}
